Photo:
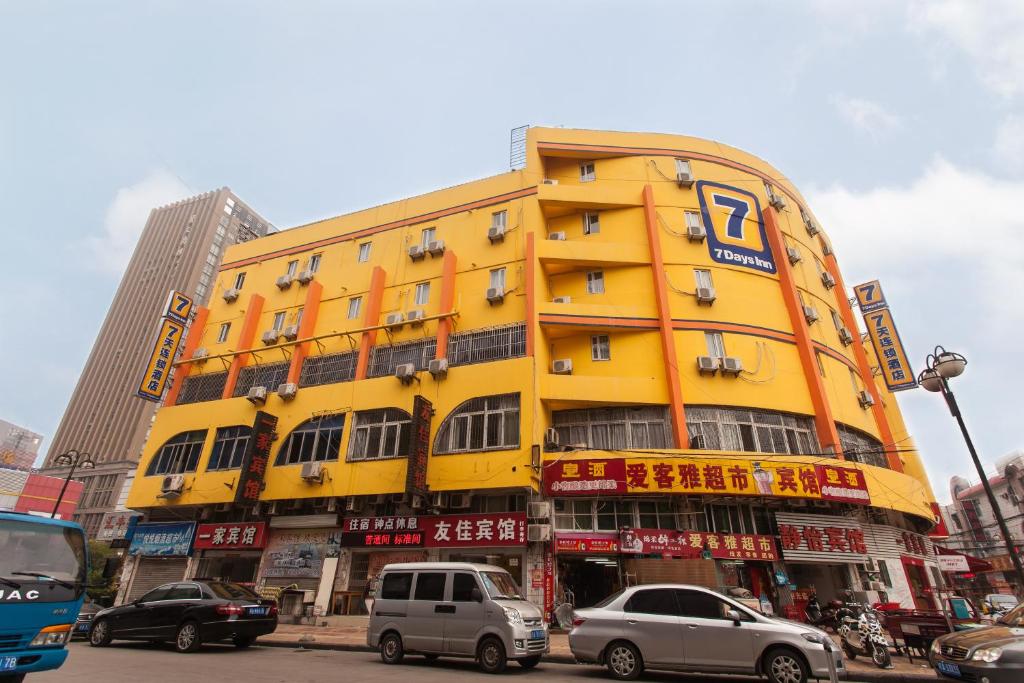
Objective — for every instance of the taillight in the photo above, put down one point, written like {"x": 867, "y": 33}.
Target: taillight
{"x": 228, "y": 609}
{"x": 577, "y": 621}
{"x": 273, "y": 610}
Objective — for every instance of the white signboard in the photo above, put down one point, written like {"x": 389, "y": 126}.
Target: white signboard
{"x": 953, "y": 563}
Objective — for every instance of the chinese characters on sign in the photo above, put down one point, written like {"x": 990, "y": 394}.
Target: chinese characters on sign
{"x": 572, "y": 542}
{"x": 892, "y": 357}
{"x": 419, "y": 447}
{"x": 369, "y": 532}
{"x": 299, "y": 553}
{"x": 819, "y": 537}
{"x": 445, "y": 531}
{"x": 161, "y": 360}
{"x": 232, "y": 536}
{"x": 583, "y": 477}
{"x": 914, "y": 543}
{"x": 162, "y": 539}
{"x": 117, "y": 526}
{"x": 691, "y": 544}
{"x": 256, "y": 459}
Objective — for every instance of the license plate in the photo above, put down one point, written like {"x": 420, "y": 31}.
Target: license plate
{"x": 947, "y": 668}
{"x": 8, "y": 663}
{"x": 259, "y": 611}
{"x": 84, "y": 626}
{"x": 536, "y": 633}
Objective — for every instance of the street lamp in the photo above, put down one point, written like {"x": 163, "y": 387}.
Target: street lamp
{"x": 76, "y": 460}
{"x": 941, "y": 366}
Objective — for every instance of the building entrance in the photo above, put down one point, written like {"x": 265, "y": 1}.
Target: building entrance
{"x": 585, "y": 581}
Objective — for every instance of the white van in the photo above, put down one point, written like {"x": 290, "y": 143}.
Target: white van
{"x": 455, "y": 609}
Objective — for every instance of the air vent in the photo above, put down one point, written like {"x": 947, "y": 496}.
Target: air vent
{"x": 865, "y": 399}
{"x": 416, "y": 316}
{"x": 270, "y": 337}
{"x": 172, "y": 485}
{"x": 305, "y": 277}
{"x": 435, "y": 247}
{"x": 405, "y": 372}
{"x": 496, "y": 234}
{"x": 828, "y": 280}
{"x": 810, "y": 314}
{"x": 230, "y": 295}
{"x": 394, "y": 320}
{"x": 284, "y": 282}
{"x": 794, "y": 255}
{"x": 200, "y": 354}
{"x": 696, "y": 233}
{"x": 562, "y": 300}
{"x": 845, "y": 337}
{"x": 684, "y": 179}
{"x": 312, "y": 472}
{"x": 290, "y": 333}
{"x": 537, "y": 533}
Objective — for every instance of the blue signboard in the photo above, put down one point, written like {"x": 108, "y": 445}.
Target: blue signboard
{"x": 735, "y": 229}
{"x": 163, "y": 539}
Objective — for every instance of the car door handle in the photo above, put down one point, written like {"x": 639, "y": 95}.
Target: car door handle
{"x": 631, "y": 621}
{"x": 691, "y": 626}
{"x": 444, "y": 609}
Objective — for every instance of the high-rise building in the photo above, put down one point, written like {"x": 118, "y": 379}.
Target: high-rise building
{"x": 18, "y": 446}
{"x": 179, "y": 248}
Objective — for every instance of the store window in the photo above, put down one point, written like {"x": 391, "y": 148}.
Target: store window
{"x": 179, "y": 454}
{"x": 381, "y": 433}
{"x": 480, "y": 424}
{"x": 317, "y": 440}
{"x": 229, "y": 447}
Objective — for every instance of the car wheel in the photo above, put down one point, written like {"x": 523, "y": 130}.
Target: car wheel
{"x": 529, "y": 662}
{"x": 99, "y": 634}
{"x": 491, "y": 656}
{"x": 242, "y": 642}
{"x": 624, "y": 661}
{"x": 391, "y": 650}
{"x": 785, "y": 666}
{"x": 187, "y": 639}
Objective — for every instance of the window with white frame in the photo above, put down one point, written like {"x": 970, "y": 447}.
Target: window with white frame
{"x": 703, "y": 278}
{"x": 617, "y": 428}
{"x": 485, "y": 423}
{"x": 179, "y": 454}
{"x": 759, "y": 431}
{"x": 683, "y": 166}
{"x": 315, "y": 440}
{"x": 293, "y": 266}
{"x": 693, "y": 219}
{"x": 381, "y": 433}
{"x": 587, "y": 172}
{"x": 715, "y": 344}
{"x": 222, "y": 336}
{"x": 314, "y": 263}
{"x": 498, "y": 279}
{"x": 279, "y": 320}
{"x": 364, "y": 252}
{"x": 427, "y": 236}
{"x": 499, "y": 219}
{"x": 600, "y": 347}
{"x": 354, "y": 304}
{"x": 229, "y": 447}
{"x": 595, "y": 282}
{"x": 239, "y": 280}
{"x": 591, "y": 223}
{"x": 422, "y": 295}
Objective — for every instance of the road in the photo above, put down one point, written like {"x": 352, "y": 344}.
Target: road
{"x": 134, "y": 662}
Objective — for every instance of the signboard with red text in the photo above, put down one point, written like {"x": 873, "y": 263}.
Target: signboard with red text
{"x": 821, "y": 538}
{"x": 443, "y": 531}
{"x": 573, "y": 542}
{"x": 256, "y": 459}
{"x": 691, "y": 544}
{"x": 231, "y": 536}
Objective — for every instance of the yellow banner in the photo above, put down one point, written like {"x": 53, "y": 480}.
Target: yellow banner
{"x": 892, "y": 358}
{"x": 159, "y": 368}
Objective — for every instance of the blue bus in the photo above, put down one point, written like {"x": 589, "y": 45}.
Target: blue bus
{"x": 44, "y": 564}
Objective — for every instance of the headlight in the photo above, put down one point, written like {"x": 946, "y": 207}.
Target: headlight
{"x": 513, "y": 616}
{"x": 936, "y": 648}
{"x": 814, "y": 638}
{"x": 988, "y": 654}
{"x": 52, "y": 635}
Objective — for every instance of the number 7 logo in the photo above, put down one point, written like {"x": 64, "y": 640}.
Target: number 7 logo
{"x": 738, "y": 210}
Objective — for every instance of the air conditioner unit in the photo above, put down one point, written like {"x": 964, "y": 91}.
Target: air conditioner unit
{"x": 312, "y": 471}
{"x": 696, "y": 233}
{"x": 332, "y": 505}
{"x": 273, "y": 507}
{"x": 684, "y": 179}
{"x": 230, "y": 295}
{"x": 732, "y": 366}
{"x": 794, "y": 255}
{"x": 562, "y": 366}
{"x": 172, "y": 485}
{"x": 876, "y": 585}
{"x": 257, "y": 396}
{"x": 540, "y": 509}
{"x": 435, "y": 247}
{"x": 707, "y": 365}
{"x": 459, "y": 501}
{"x": 828, "y": 280}
{"x": 306, "y": 276}
{"x": 416, "y": 252}
{"x": 395, "y": 320}
{"x": 845, "y": 336}
{"x": 706, "y": 295}
{"x": 200, "y": 353}
{"x": 439, "y": 499}
{"x": 811, "y": 314}
{"x": 865, "y": 399}
{"x": 778, "y": 201}
{"x": 562, "y": 300}
{"x": 550, "y": 436}
{"x": 812, "y": 228}
{"x": 353, "y": 504}
{"x": 560, "y": 235}
{"x": 270, "y": 337}
{"x": 549, "y": 181}
{"x": 405, "y": 372}
{"x": 288, "y": 390}
{"x": 538, "y": 532}
{"x": 438, "y": 367}
{"x": 284, "y": 282}
{"x": 290, "y": 333}
{"x": 496, "y": 233}
{"x": 495, "y": 295}
{"x": 416, "y": 316}
{"x": 826, "y": 247}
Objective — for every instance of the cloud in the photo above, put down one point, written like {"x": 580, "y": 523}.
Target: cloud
{"x": 126, "y": 216}
{"x": 1008, "y": 148}
{"x": 866, "y": 115}
{"x": 988, "y": 32}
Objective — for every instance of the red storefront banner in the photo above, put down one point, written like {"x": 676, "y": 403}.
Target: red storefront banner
{"x": 586, "y": 543}
{"x": 444, "y": 531}
{"x": 843, "y": 484}
{"x": 582, "y": 477}
{"x": 231, "y": 536}
{"x": 690, "y": 544}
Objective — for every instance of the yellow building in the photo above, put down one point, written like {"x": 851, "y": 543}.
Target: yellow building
{"x": 637, "y": 331}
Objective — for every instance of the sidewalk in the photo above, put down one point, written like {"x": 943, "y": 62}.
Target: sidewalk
{"x": 349, "y": 633}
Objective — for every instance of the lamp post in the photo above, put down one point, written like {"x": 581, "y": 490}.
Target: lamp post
{"x": 941, "y": 366}
{"x": 76, "y": 460}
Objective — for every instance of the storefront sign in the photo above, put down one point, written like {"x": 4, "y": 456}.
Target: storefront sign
{"x": 586, "y": 543}
{"x": 419, "y": 447}
{"x": 179, "y": 307}
{"x": 256, "y": 459}
{"x": 158, "y": 369}
{"x": 300, "y": 553}
{"x": 694, "y": 544}
{"x": 386, "y": 532}
{"x": 821, "y": 538}
{"x": 953, "y": 563}
{"x": 117, "y": 526}
{"x": 870, "y": 297}
{"x": 914, "y": 543}
{"x": 162, "y": 539}
{"x": 444, "y": 531}
{"x": 549, "y": 582}
{"x": 240, "y": 536}
{"x": 735, "y": 228}
{"x": 892, "y": 357}
{"x": 704, "y": 475}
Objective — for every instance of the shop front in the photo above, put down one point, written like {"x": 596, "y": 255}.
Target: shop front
{"x": 300, "y": 562}
{"x": 902, "y": 567}
{"x": 229, "y": 551}
{"x": 158, "y": 554}
{"x": 587, "y": 568}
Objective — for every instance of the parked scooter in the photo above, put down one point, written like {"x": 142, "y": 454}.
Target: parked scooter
{"x": 861, "y": 633}
{"x": 822, "y": 617}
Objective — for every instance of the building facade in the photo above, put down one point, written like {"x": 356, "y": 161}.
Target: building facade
{"x": 634, "y": 347}
{"x": 18, "y": 446}
{"x": 180, "y": 248}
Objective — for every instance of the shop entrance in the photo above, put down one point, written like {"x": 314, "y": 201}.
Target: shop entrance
{"x": 585, "y": 581}
{"x": 920, "y": 589}
{"x": 236, "y": 567}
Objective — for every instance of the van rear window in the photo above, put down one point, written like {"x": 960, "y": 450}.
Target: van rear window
{"x": 396, "y": 586}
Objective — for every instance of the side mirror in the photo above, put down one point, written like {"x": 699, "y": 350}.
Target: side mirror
{"x": 734, "y": 615}
{"x": 138, "y": 603}
{"x": 475, "y": 595}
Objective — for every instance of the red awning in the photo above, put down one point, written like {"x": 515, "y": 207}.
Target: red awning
{"x": 975, "y": 563}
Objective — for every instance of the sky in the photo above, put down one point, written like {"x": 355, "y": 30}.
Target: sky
{"x": 901, "y": 122}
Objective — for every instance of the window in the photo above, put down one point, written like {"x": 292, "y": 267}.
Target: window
{"x": 396, "y": 586}
{"x": 156, "y": 594}
{"x": 656, "y": 515}
{"x": 269, "y": 375}
{"x": 206, "y": 387}
{"x": 314, "y": 263}
{"x": 364, "y": 252}
{"x": 422, "y": 296}
{"x": 354, "y": 304}
{"x": 683, "y": 166}
{"x": 703, "y": 278}
{"x": 179, "y": 454}
{"x": 591, "y": 223}
{"x": 595, "y": 282}
{"x": 184, "y": 591}
{"x": 600, "y": 348}
{"x": 229, "y": 206}
{"x": 762, "y": 431}
{"x": 587, "y": 172}
{"x": 700, "y": 605}
{"x": 612, "y": 515}
{"x": 316, "y": 440}
{"x": 653, "y": 601}
{"x": 498, "y": 279}
{"x": 222, "y": 336}
{"x": 574, "y": 515}
{"x": 229, "y": 447}
{"x": 427, "y": 236}
{"x": 212, "y": 259}
{"x": 329, "y": 369}
{"x": 715, "y": 344}
{"x": 385, "y": 358}
{"x": 836, "y": 320}
{"x": 381, "y": 433}
{"x": 619, "y": 428}
{"x": 480, "y": 424}
{"x": 883, "y": 570}
{"x": 102, "y": 490}
{"x": 817, "y": 264}
{"x": 293, "y": 266}
{"x": 279, "y": 320}
{"x": 693, "y": 219}
{"x": 430, "y": 586}
{"x": 853, "y": 381}
{"x": 481, "y": 346}
{"x": 499, "y": 219}
{"x": 298, "y": 317}
{"x": 821, "y": 364}
{"x": 769, "y": 191}
{"x": 462, "y": 587}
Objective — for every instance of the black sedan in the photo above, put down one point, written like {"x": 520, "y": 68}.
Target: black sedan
{"x": 188, "y": 614}
{"x": 84, "y": 621}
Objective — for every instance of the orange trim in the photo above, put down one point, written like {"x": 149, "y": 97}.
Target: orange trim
{"x": 310, "y": 310}
{"x": 195, "y": 337}
{"x": 668, "y": 347}
{"x": 371, "y": 317}
{"x": 738, "y": 328}
{"x": 444, "y": 326}
{"x": 245, "y": 339}
{"x": 531, "y": 291}
{"x": 823, "y": 421}
{"x": 832, "y": 353}
{"x": 366, "y": 232}
{"x": 881, "y": 421}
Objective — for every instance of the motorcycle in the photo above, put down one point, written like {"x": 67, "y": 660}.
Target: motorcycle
{"x": 860, "y": 631}
{"x": 822, "y": 617}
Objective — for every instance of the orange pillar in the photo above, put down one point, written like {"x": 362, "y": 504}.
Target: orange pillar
{"x": 245, "y": 339}
{"x": 823, "y": 421}
{"x": 195, "y": 337}
{"x": 310, "y": 309}
{"x": 668, "y": 347}
{"x": 531, "y": 291}
{"x": 881, "y": 421}
{"x": 371, "y": 317}
{"x": 444, "y": 326}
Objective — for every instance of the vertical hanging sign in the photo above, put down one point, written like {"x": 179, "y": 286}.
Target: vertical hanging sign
{"x": 161, "y": 360}
{"x": 892, "y": 356}
{"x": 256, "y": 459}
{"x": 419, "y": 447}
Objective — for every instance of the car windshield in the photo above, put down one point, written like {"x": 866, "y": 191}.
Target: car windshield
{"x": 1014, "y": 617}
{"x": 232, "y": 591}
{"x": 501, "y": 585}
{"x": 45, "y": 549}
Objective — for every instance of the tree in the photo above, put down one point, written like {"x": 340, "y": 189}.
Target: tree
{"x": 99, "y": 587}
